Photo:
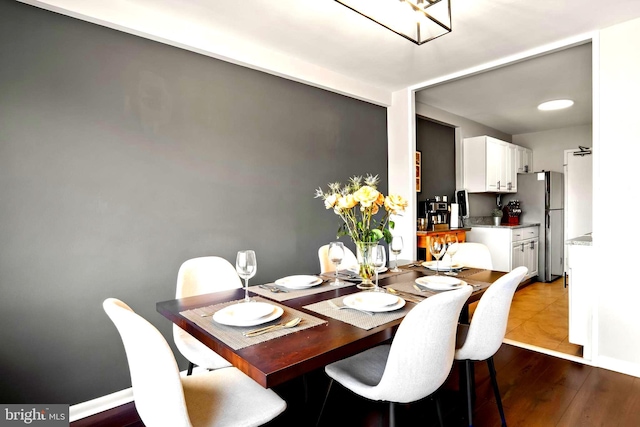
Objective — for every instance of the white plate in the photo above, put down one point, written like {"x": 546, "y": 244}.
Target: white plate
{"x": 440, "y": 283}
{"x": 299, "y": 281}
{"x": 442, "y": 266}
{"x": 356, "y": 269}
{"x": 374, "y": 301}
{"x": 225, "y": 318}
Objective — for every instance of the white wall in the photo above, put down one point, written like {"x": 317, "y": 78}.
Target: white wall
{"x": 616, "y": 154}
{"x": 548, "y": 146}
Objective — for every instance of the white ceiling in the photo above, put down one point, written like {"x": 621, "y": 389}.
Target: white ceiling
{"x": 298, "y": 38}
{"x": 506, "y": 98}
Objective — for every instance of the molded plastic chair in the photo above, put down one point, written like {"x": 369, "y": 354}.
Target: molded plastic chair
{"x": 415, "y": 364}
{"x": 224, "y": 397}
{"x": 326, "y": 265}
{"x": 481, "y": 339}
{"x": 474, "y": 255}
{"x": 199, "y": 276}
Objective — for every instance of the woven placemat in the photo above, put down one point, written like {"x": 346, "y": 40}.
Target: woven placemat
{"x": 232, "y": 335}
{"x": 409, "y": 287}
{"x": 466, "y": 271}
{"x": 296, "y": 293}
{"x": 346, "y": 280}
{"x": 357, "y": 318}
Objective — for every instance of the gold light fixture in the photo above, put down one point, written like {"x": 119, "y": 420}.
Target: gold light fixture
{"x": 417, "y": 20}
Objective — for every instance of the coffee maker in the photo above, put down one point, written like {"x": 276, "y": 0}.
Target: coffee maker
{"x": 438, "y": 213}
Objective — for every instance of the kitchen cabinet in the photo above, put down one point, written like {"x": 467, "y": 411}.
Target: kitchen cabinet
{"x": 580, "y": 271}
{"x": 524, "y": 159}
{"x": 489, "y": 165}
{"x": 510, "y": 247}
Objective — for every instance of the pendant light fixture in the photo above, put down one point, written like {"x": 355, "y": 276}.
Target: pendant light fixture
{"x": 417, "y": 20}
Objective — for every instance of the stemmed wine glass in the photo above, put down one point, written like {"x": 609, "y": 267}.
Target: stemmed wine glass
{"x": 396, "y": 248}
{"x": 452, "y": 248}
{"x": 246, "y": 267}
{"x": 437, "y": 248}
{"x": 336, "y": 253}
{"x": 378, "y": 259}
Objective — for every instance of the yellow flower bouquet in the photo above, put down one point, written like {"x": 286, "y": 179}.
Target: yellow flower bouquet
{"x": 357, "y": 203}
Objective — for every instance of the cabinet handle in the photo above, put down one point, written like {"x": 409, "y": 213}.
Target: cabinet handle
{"x": 498, "y": 185}
{"x": 521, "y": 247}
{"x": 531, "y": 244}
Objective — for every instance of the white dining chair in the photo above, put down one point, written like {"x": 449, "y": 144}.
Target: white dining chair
{"x": 199, "y": 276}
{"x": 415, "y": 364}
{"x": 326, "y": 265}
{"x": 475, "y": 255}
{"x": 224, "y": 397}
{"x": 482, "y": 338}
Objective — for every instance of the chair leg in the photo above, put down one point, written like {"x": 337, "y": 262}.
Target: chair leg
{"x": 494, "y": 382}
{"x": 470, "y": 383}
{"x": 326, "y": 397}
{"x": 439, "y": 411}
{"x": 392, "y": 414}
{"x": 190, "y": 369}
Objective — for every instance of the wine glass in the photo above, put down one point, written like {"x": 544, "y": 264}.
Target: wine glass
{"x": 437, "y": 248}
{"x": 336, "y": 254}
{"x": 396, "y": 248}
{"x": 452, "y": 248}
{"x": 378, "y": 259}
{"x": 246, "y": 267}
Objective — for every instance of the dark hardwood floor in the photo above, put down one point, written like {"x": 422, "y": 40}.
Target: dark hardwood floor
{"x": 536, "y": 389}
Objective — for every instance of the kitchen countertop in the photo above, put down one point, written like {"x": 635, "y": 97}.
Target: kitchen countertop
{"x": 585, "y": 240}
{"x": 444, "y": 231}
{"x": 523, "y": 225}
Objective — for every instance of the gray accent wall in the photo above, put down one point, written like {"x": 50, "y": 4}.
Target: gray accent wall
{"x": 120, "y": 158}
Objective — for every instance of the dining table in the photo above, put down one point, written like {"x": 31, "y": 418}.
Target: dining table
{"x": 325, "y": 335}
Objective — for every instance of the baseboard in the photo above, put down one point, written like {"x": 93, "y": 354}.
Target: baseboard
{"x": 100, "y": 404}
{"x": 549, "y": 352}
{"x": 618, "y": 365}
{"x": 110, "y": 401}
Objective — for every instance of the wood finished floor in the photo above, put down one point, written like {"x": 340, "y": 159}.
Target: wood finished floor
{"x": 536, "y": 389}
{"x": 539, "y": 316}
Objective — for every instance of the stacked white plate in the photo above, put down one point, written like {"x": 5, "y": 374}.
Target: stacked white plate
{"x": 374, "y": 301}
{"x": 440, "y": 283}
{"x": 299, "y": 282}
{"x": 247, "y": 314}
{"x": 442, "y": 265}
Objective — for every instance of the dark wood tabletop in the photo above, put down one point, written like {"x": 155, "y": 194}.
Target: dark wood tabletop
{"x": 281, "y": 359}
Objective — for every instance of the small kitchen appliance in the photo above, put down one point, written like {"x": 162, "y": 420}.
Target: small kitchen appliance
{"x": 438, "y": 214}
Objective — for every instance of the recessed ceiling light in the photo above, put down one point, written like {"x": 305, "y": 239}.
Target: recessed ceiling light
{"x": 557, "y": 104}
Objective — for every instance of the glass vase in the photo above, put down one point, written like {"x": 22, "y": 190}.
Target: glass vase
{"x": 366, "y": 270}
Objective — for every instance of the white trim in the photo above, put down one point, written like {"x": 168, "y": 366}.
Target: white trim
{"x": 549, "y": 352}
{"x": 100, "y": 404}
{"x": 618, "y": 365}
{"x": 109, "y": 401}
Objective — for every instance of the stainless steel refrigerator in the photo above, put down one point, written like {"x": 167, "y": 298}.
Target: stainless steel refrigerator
{"x": 541, "y": 196}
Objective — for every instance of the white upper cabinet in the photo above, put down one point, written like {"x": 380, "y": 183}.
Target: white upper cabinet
{"x": 489, "y": 165}
{"x": 524, "y": 159}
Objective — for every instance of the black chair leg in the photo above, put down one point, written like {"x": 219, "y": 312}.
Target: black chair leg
{"x": 392, "y": 414}
{"x": 190, "y": 369}
{"x": 494, "y": 382}
{"x": 470, "y": 383}
{"x": 326, "y": 397}
{"x": 439, "y": 411}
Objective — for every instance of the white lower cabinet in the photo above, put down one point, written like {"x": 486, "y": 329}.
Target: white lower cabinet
{"x": 510, "y": 247}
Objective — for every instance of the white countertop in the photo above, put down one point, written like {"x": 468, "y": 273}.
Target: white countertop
{"x": 585, "y": 240}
